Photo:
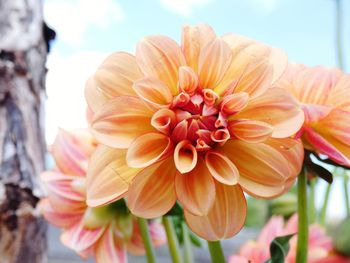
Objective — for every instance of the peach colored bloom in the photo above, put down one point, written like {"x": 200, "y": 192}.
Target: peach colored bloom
{"x": 323, "y": 94}
{"x": 106, "y": 232}
{"x": 319, "y": 251}
{"x": 196, "y": 123}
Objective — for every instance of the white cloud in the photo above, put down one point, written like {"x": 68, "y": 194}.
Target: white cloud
{"x": 71, "y": 18}
{"x": 65, "y": 82}
{"x": 183, "y": 7}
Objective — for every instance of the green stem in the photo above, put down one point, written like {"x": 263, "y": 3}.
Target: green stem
{"x": 346, "y": 193}
{"x": 216, "y": 254}
{"x": 325, "y": 205}
{"x": 188, "y": 256}
{"x": 146, "y": 238}
{"x": 339, "y": 30}
{"x": 312, "y": 205}
{"x": 303, "y": 226}
{"x": 173, "y": 243}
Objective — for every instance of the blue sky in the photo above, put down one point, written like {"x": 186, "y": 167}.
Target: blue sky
{"x": 88, "y": 30}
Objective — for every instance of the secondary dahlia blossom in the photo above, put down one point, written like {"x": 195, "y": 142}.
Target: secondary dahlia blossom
{"x": 106, "y": 232}
{"x": 198, "y": 123}
{"x": 320, "y": 247}
{"x": 323, "y": 94}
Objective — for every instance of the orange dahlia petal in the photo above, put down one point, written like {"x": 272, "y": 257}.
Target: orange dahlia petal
{"x": 234, "y": 103}
{"x": 160, "y": 57}
{"x": 225, "y": 218}
{"x": 250, "y": 130}
{"x": 221, "y": 168}
{"x": 214, "y": 60}
{"x": 278, "y": 108}
{"x": 148, "y": 149}
{"x": 188, "y": 80}
{"x": 263, "y": 169}
{"x": 152, "y": 193}
{"x": 339, "y": 95}
{"x": 120, "y": 121}
{"x": 185, "y": 156}
{"x": 193, "y": 39}
{"x": 95, "y": 97}
{"x": 154, "y": 91}
{"x": 117, "y": 73}
{"x": 108, "y": 177}
{"x": 196, "y": 190}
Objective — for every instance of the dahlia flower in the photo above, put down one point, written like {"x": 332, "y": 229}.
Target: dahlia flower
{"x": 106, "y": 232}
{"x": 323, "y": 94}
{"x": 320, "y": 248}
{"x": 198, "y": 123}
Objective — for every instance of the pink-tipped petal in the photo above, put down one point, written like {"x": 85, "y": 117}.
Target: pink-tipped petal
{"x": 110, "y": 249}
{"x": 160, "y": 57}
{"x": 109, "y": 177}
{"x": 79, "y": 238}
{"x": 185, "y": 157}
{"x": 148, "y": 149}
{"x": 152, "y": 193}
{"x": 226, "y": 217}
{"x": 221, "y": 168}
{"x": 120, "y": 121}
{"x": 196, "y": 190}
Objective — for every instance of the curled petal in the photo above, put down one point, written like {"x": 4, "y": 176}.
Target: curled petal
{"x": 148, "y": 149}
{"x": 154, "y": 91}
{"x": 117, "y": 73}
{"x": 263, "y": 169}
{"x": 196, "y": 190}
{"x": 226, "y": 217}
{"x": 278, "y": 108}
{"x": 109, "y": 177}
{"x": 185, "y": 157}
{"x": 180, "y": 131}
{"x": 188, "y": 80}
{"x": 163, "y": 120}
{"x": 109, "y": 249}
{"x": 234, "y": 103}
{"x": 209, "y": 96}
{"x": 214, "y": 60}
{"x": 250, "y": 130}
{"x": 160, "y": 57}
{"x": 221, "y": 168}
{"x": 220, "y": 136}
{"x": 152, "y": 193}
{"x": 193, "y": 39}
{"x": 120, "y": 121}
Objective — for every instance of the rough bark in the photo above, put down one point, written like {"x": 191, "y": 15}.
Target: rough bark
{"x": 23, "y": 50}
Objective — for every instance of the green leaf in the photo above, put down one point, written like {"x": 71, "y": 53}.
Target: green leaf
{"x": 279, "y": 248}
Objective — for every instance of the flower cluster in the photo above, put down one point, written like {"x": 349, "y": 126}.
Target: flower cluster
{"x": 199, "y": 123}
{"x": 106, "y": 232}
{"x": 320, "y": 245}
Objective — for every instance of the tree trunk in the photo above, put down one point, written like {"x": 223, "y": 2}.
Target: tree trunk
{"x": 23, "y": 50}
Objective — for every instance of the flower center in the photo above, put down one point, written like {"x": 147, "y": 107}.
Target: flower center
{"x": 197, "y": 118}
